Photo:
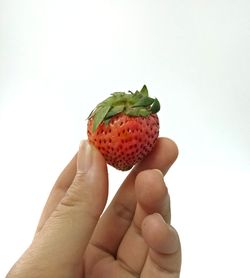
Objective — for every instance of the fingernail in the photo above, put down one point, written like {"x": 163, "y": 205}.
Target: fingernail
{"x": 84, "y": 158}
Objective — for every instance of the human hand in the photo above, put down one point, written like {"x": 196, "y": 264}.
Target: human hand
{"x": 132, "y": 238}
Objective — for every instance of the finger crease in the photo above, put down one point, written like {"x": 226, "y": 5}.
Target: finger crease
{"x": 101, "y": 248}
{"x": 123, "y": 212}
{"x": 163, "y": 269}
{"x": 127, "y": 268}
{"x": 137, "y": 228}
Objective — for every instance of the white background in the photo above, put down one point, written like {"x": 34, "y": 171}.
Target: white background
{"x": 58, "y": 59}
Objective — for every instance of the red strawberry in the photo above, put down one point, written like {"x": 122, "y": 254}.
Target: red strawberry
{"x": 124, "y": 127}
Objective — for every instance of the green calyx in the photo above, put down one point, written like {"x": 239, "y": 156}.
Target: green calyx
{"x": 137, "y": 104}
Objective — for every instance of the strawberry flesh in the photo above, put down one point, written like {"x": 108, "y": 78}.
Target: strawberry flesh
{"x": 125, "y": 140}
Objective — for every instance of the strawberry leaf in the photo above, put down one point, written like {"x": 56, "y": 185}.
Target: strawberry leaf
{"x": 100, "y": 115}
{"x": 106, "y": 122}
{"x": 137, "y": 104}
{"x": 136, "y": 112}
{"x": 156, "y": 106}
{"x": 91, "y": 114}
{"x": 132, "y": 112}
{"x": 144, "y": 102}
{"x": 118, "y": 94}
{"x": 144, "y": 91}
{"x": 144, "y": 112}
{"x": 114, "y": 111}
{"x": 137, "y": 95}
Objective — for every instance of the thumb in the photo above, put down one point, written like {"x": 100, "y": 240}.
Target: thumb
{"x": 69, "y": 228}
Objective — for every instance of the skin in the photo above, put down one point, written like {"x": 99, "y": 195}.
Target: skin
{"x": 131, "y": 238}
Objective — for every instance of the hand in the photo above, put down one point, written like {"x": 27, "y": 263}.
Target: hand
{"x": 132, "y": 238}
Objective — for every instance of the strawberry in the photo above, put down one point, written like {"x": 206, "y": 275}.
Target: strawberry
{"x": 124, "y": 127}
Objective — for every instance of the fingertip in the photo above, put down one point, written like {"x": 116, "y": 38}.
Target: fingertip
{"x": 88, "y": 156}
{"x": 159, "y": 235}
{"x": 151, "y": 191}
{"x": 163, "y": 155}
{"x": 91, "y": 180}
{"x": 149, "y": 176}
{"x": 170, "y": 147}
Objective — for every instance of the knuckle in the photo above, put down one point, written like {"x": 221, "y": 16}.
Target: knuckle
{"x": 77, "y": 194}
